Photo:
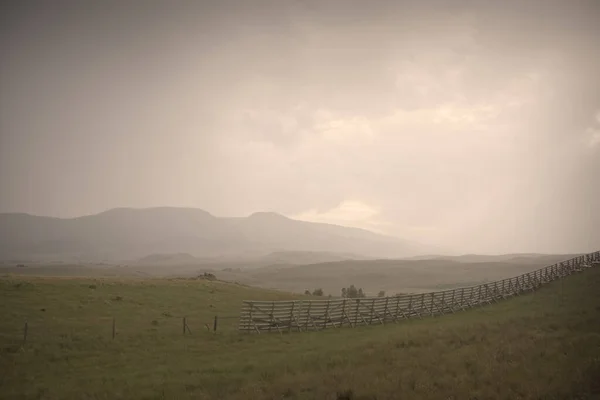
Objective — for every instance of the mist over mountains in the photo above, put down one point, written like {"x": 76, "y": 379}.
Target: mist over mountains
{"x": 130, "y": 234}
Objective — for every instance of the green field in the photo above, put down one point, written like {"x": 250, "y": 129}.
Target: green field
{"x": 544, "y": 345}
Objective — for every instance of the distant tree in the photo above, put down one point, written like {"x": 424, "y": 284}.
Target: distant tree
{"x": 307, "y": 292}
{"x": 381, "y": 293}
{"x": 352, "y": 292}
{"x": 318, "y": 292}
{"x": 209, "y": 276}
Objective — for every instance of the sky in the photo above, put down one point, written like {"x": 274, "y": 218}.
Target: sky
{"x": 473, "y": 125}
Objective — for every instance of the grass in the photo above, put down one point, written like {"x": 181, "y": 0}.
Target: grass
{"x": 540, "y": 346}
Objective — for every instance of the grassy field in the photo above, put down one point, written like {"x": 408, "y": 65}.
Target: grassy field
{"x": 540, "y": 346}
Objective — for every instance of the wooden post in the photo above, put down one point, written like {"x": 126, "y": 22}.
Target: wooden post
{"x": 356, "y": 311}
{"x": 385, "y": 310}
{"x": 272, "y": 321}
{"x": 326, "y": 319}
{"x": 291, "y": 316}
{"x": 215, "y": 323}
{"x": 412, "y": 310}
{"x": 443, "y": 311}
{"x": 25, "y": 329}
{"x": 251, "y": 318}
{"x": 114, "y": 325}
{"x": 372, "y": 312}
{"x": 431, "y": 305}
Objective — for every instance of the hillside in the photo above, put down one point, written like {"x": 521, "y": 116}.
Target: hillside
{"x": 392, "y": 276}
{"x": 243, "y": 261}
{"x": 129, "y": 234}
{"x": 544, "y": 345}
{"x": 299, "y": 271}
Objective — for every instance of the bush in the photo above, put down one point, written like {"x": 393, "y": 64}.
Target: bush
{"x": 318, "y": 292}
{"x": 381, "y": 293}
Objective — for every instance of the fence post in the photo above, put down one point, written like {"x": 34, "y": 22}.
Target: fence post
{"x": 215, "y": 323}
{"x": 431, "y": 305}
{"x": 291, "y": 316}
{"x": 25, "y": 329}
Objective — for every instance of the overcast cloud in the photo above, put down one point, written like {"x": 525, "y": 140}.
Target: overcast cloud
{"x": 471, "y": 125}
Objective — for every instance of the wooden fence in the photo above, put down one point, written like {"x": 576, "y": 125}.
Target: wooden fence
{"x": 306, "y": 315}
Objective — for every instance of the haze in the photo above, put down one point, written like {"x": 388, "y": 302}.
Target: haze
{"x": 474, "y": 126}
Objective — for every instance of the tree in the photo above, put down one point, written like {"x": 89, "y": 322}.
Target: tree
{"x": 307, "y": 292}
{"x": 209, "y": 276}
{"x": 352, "y": 292}
{"x": 318, "y": 292}
{"x": 381, "y": 293}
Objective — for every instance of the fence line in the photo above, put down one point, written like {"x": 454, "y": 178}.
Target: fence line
{"x": 306, "y": 315}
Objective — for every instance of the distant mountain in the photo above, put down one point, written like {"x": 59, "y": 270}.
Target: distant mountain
{"x": 129, "y": 234}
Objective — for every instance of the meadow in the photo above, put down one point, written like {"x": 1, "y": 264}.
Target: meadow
{"x": 544, "y": 345}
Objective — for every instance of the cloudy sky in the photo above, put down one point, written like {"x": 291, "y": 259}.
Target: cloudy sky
{"x": 473, "y": 125}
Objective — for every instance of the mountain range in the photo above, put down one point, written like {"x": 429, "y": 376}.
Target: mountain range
{"x": 131, "y": 234}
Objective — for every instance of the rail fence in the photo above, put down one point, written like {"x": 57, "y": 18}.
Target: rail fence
{"x": 306, "y": 315}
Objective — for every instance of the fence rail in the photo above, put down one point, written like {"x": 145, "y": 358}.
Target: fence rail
{"x": 306, "y": 315}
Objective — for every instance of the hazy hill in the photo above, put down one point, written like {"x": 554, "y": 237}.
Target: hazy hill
{"x": 242, "y": 261}
{"x": 126, "y": 234}
{"x": 519, "y": 258}
{"x": 391, "y": 275}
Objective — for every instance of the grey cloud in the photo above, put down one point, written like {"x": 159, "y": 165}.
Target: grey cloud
{"x": 109, "y": 104}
